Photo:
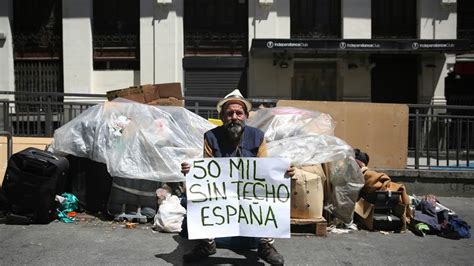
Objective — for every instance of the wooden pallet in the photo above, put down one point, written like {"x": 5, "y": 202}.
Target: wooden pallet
{"x": 313, "y": 226}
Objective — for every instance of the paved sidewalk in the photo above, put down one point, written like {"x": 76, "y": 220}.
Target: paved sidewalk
{"x": 92, "y": 242}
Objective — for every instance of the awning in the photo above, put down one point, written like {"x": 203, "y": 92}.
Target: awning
{"x": 416, "y": 46}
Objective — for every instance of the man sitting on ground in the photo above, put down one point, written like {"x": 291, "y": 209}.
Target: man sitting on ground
{"x": 234, "y": 139}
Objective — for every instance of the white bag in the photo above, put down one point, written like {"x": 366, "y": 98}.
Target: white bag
{"x": 170, "y": 215}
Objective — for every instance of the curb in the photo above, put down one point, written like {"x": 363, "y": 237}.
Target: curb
{"x": 440, "y": 183}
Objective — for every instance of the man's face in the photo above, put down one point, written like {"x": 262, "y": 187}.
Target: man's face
{"x": 234, "y": 118}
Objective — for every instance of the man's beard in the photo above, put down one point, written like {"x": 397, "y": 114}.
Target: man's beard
{"x": 234, "y": 129}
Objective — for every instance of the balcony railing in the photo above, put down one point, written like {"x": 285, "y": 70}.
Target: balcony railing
{"x": 314, "y": 34}
{"x": 215, "y": 43}
{"x": 37, "y": 45}
{"x": 116, "y": 51}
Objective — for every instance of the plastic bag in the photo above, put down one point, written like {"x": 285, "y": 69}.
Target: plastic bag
{"x": 170, "y": 215}
{"x": 305, "y": 137}
{"x": 68, "y": 206}
{"x": 284, "y": 122}
{"x": 310, "y": 149}
{"x": 135, "y": 140}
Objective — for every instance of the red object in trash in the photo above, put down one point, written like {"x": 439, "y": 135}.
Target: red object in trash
{"x": 71, "y": 214}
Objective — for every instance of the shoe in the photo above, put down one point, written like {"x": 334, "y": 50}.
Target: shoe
{"x": 203, "y": 250}
{"x": 268, "y": 253}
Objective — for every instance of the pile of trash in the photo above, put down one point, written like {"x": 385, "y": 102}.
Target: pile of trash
{"x": 431, "y": 217}
{"x": 307, "y": 139}
{"x": 140, "y": 148}
{"x": 134, "y": 140}
{"x": 139, "y": 141}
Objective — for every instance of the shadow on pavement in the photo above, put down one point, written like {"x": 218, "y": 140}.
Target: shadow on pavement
{"x": 176, "y": 256}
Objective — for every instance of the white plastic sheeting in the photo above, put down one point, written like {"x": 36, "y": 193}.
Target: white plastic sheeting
{"x": 284, "y": 122}
{"x": 306, "y": 138}
{"x": 150, "y": 142}
{"x": 135, "y": 140}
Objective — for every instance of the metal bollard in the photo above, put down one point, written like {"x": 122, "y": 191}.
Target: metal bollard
{"x": 9, "y": 143}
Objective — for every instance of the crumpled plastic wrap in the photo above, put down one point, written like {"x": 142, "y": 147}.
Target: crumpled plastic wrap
{"x": 306, "y": 138}
{"x": 310, "y": 149}
{"x": 346, "y": 182}
{"x": 78, "y": 137}
{"x": 135, "y": 140}
{"x": 150, "y": 142}
{"x": 284, "y": 122}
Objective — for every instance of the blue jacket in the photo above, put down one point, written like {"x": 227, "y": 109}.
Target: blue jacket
{"x": 250, "y": 142}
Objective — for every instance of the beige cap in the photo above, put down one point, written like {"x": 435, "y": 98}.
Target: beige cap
{"x": 234, "y": 96}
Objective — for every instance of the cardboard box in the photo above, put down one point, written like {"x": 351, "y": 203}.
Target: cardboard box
{"x": 150, "y": 92}
{"x": 307, "y": 193}
{"x": 364, "y": 211}
{"x": 167, "y": 102}
{"x": 379, "y": 129}
{"x": 156, "y": 94}
{"x": 132, "y": 93}
{"x": 167, "y": 90}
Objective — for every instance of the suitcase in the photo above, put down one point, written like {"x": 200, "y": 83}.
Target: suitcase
{"x": 4, "y": 204}
{"x": 384, "y": 200}
{"x": 131, "y": 199}
{"x": 32, "y": 180}
{"x": 90, "y": 182}
{"x": 387, "y": 222}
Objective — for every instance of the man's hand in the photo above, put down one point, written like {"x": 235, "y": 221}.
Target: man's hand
{"x": 185, "y": 167}
{"x": 290, "y": 171}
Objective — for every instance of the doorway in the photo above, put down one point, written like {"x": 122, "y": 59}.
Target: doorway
{"x": 314, "y": 81}
{"x": 394, "y": 79}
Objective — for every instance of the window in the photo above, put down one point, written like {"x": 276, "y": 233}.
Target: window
{"x": 37, "y": 29}
{"x": 394, "y": 19}
{"x": 216, "y": 27}
{"x": 315, "y": 19}
{"x": 37, "y": 49}
{"x": 466, "y": 20}
{"x": 116, "y": 34}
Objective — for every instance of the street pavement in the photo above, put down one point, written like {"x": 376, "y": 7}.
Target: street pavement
{"x": 91, "y": 241}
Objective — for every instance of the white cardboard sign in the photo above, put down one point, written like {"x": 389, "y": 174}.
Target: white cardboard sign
{"x": 238, "y": 197}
